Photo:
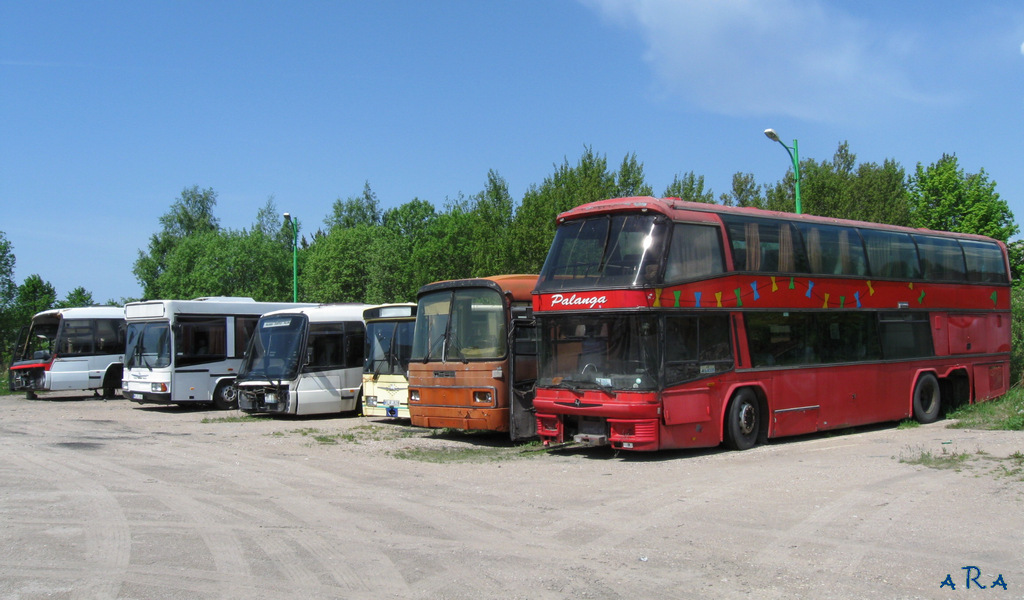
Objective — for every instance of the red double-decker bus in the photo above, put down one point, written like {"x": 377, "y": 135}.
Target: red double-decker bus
{"x": 474, "y": 355}
{"x": 670, "y": 324}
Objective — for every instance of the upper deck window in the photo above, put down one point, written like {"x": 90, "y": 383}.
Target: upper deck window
{"x": 941, "y": 258}
{"x": 605, "y": 251}
{"x": 985, "y": 262}
{"x": 891, "y": 254}
{"x": 766, "y": 245}
{"x": 695, "y": 251}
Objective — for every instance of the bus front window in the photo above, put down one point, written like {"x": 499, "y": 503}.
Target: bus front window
{"x": 608, "y": 352}
{"x": 39, "y": 344}
{"x": 148, "y": 345}
{"x": 390, "y": 343}
{"x": 274, "y": 350}
{"x": 605, "y": 251}
{"x": 460, "y": 325}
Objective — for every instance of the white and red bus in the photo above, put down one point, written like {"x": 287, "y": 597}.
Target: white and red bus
{"x": 474, "y": 358}
{"x": 70, "y": 349}
{"x": 670, "y": 324}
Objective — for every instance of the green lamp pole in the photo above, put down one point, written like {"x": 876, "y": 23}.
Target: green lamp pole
{"x": 794, "y": 155}
{"x": 295, "y": 257}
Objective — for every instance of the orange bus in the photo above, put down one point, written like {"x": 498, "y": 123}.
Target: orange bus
{"x": 670, "y": 324}
{"x": 474, "y": 360}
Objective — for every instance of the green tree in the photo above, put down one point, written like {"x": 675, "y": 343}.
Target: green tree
{"x": 8, "y": 294}
{"x": 393, "y": 276}
{"x": 690, "y": 188}
{"x": 745, "y": 192}
{"x": 568, "y": 187}
{"x": 491, "y": 223}
{"x": 229, "y": 263}
{"x": 356, "y": 210}
{"x": 945, "y": 198}
{"x": 34, "y": 295}
{"x": 190, "y": 214}
{"x": 335, "y": 268}
{"x": 630, "y": 180}
{"x": 76, "y": 297}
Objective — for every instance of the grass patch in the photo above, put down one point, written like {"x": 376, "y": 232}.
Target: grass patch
{"x": 908, "y": 424}
{"x": 944, "y": 460}
{"x": 983, "y": 463}
{"x": 468, "y": 454}
{"x": 1006, "y": 412}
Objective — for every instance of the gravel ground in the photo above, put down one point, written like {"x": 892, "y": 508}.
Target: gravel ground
{"x": 109, "y": 499}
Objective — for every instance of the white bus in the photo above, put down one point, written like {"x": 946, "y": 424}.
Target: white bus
{"x": 304, "y": 361}
{"x": 188, "y": 352}
{"x": 389, "y": 330}
{"x": 70, "y": 349}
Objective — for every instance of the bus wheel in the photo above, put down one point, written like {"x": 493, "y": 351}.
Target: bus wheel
{"x": 224, "y": 396}
{"x": 743, "y": 421}
{"x": 927, "y": 399}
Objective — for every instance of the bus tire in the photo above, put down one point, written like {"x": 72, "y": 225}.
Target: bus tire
{"x": 743, "y": 420}
{"x": 927, "y": 399}
{"x": 224, "y": 396}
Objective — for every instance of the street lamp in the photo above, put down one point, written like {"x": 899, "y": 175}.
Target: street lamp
{"x": 794, "y": 155}
{"x": 295, "y": 257}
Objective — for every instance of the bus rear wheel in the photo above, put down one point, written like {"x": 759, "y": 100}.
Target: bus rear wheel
{"x": 927, "y": 399}
{"x": 743, "y": 420}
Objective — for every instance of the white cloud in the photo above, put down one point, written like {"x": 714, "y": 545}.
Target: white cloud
{"x": 1022, "y": 48}
{"x": 804, "y": 59}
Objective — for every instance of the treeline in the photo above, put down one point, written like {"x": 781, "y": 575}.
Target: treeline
{"x": 363, "y": 253}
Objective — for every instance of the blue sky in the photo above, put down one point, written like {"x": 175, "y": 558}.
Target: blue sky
{"x": 108, "y": 110}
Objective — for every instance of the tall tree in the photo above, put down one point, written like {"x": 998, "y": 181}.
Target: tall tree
{"x": 77, "y": 297}
{"x": 491, "y": 222}
{"x": 690, "y": 188}
{"x": 8, "y": 293}
{"x": 34, "y": 295}
{"x": 356, "y": 210}
{"x": 630, "y": 180}
{"x": 570, "y": 186}
{"x": 745, "y": 192}
{"x": 190, "y": 214}
{"x": 945, "y": 198}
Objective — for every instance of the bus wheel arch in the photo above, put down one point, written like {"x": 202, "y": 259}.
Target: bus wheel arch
{"x": 745, "y": 421}
{"x": 927, "y": 398}
{"x": 112, "y": 380}
{"x": 224, "y": 395}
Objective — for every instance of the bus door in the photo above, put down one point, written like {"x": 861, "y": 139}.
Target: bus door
{"x": 523, "y": 364}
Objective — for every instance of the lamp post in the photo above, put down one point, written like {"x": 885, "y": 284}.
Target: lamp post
{"x": 794, "y": 155}
{"x": 295, "y": 257}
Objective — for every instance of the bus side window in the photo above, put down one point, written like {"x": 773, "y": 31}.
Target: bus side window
{"x": 694, "y": 251}
{"x": 984, "y": 262}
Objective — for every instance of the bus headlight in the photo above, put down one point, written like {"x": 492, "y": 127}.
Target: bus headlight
{"x": 414, "y": 395}
{"x": 482, "y": 397}
{"x": 158, "y": 387}
{"x": 370, "y": 400}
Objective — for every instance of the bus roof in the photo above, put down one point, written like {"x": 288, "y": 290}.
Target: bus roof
{"x": 698, "y": 212}
{"x": 519, "y": 287}
{"x": 397, "y": 311}
{"x": 221, "y": 305}
{"x": 82, "y": 312}
{"x": 326, "y": 313}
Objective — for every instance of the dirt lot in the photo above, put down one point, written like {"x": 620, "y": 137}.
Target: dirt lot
{"x": 108, "y": 499}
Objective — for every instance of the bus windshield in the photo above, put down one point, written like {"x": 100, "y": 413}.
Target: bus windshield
{"x": 148, "y": 345}
{"x": 603, "y": 251}
{"x": 461, "y": 324}
{"x": 39, "y": 342}
{"x": 390, "y": 345}
{"x": 612, "y": 352}
{"x": 274, "y": 350}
